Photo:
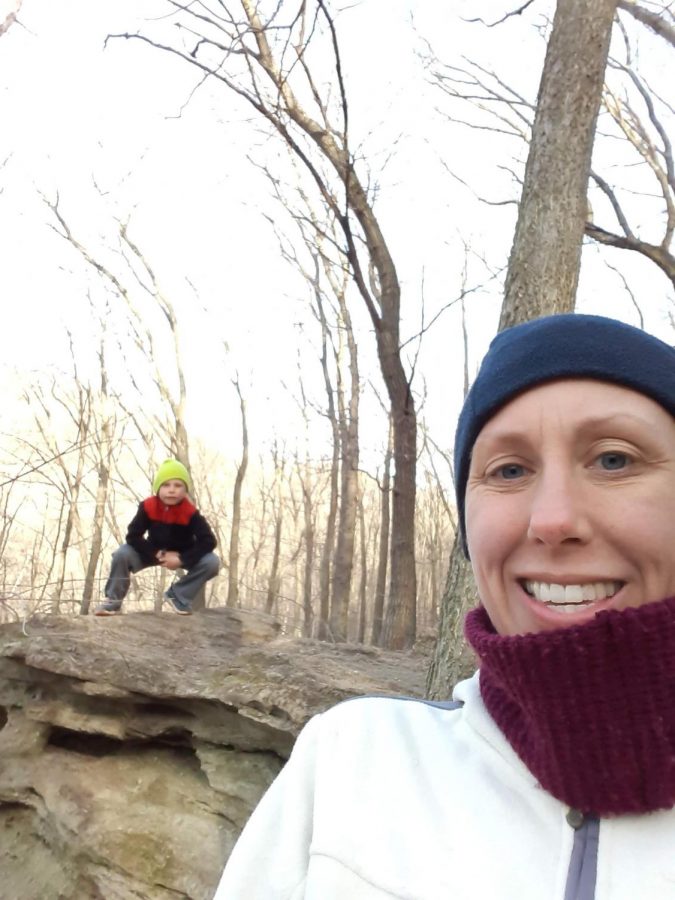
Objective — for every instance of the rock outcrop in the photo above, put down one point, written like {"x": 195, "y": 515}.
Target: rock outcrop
{"x": 133, "y": 749}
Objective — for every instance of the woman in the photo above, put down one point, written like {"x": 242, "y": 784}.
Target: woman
{"x": 554, "y": 775}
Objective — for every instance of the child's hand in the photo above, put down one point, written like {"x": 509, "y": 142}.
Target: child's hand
{"x": 170, "y": 560}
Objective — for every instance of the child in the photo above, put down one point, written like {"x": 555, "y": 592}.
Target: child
{"x": 167, "y": 531}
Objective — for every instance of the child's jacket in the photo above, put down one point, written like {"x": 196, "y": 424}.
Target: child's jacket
{"x": 181, "y": 528}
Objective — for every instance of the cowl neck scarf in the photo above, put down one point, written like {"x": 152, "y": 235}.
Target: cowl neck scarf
{"x": 589, "y": 709}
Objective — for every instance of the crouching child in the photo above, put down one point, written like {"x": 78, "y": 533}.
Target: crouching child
{"x": 169, "y": 531}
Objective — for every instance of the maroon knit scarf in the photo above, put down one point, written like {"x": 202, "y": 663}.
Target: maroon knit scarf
{"x": 589, "y": 709}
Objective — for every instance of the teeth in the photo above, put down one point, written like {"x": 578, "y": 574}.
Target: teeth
{"x": 568, "y": 597}
{"x": 588, "y": 592}
{"x": 574, "y": 593}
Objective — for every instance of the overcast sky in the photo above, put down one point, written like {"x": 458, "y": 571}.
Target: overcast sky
{"x": 110, "y": 132}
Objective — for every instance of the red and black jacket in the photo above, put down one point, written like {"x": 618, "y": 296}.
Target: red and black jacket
{"x": 182, "y": 528}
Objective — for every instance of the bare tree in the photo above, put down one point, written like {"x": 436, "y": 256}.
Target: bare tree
{"x": 274, "y": 582}
{"x": 327, "y": 274}
{"x": 545, "y": 257}
{"x": 348, "y": 419}
{"x": 233, "y": 571}
{"x": 543, "y": 269}
{"x": 67, "y": 476}
{"x": 325, "y": 565}
{"x": 661, "y": 22}
{"x": 363, "y": 575}
{"x": 632, "y": 110}
{"x": 104, "y": 451}
{"x": 308, "y": 534}
{"x": 383, "y": 547}
{"x": 138, "y": 275}
{"x": 10, "y": 18}
{"x": 266, "y": 63}
{"x": 635, "y": 111}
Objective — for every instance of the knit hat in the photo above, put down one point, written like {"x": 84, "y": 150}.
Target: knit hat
{"x": 171, "y": 468}
{"x": 564, "y": 346}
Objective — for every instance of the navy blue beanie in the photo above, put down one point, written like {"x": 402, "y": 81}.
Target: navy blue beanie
{"x": 565, "y": 346}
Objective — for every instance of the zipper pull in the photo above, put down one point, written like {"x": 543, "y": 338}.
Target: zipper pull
{"x": 575, "y": 818}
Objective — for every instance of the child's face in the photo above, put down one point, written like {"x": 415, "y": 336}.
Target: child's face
{"x": 173, "y": 491}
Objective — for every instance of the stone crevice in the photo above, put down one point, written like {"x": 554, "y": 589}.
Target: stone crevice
{"x": 134, "y": 748}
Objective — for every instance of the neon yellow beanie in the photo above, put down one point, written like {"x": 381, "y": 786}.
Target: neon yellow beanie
{"x": 171, "y": 468}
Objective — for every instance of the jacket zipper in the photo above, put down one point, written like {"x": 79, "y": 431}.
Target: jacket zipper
{"x": 583, "y": 867}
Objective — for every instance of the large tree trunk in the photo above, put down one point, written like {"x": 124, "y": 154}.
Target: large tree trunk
{"x": 543, "y": 269}
{"x": 453, "y": 659}
{"x": 546, "y": 254}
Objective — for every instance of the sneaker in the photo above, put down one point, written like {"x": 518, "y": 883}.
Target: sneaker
{"x": 181, "y": 608}
{"x": 108, "y": 608}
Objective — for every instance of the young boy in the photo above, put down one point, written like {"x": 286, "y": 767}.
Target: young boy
{"x": 166, "y": 531}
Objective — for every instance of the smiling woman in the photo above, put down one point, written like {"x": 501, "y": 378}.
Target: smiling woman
{"x": 570, "y": 505}
{"x": 553, "y": 773}
{"x": 565, "y": 457}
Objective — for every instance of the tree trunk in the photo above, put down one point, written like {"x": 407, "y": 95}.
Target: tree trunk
{"x": 73, "y": 485}
{"x": 233, "y": 570}
{"x": 97, "y": 530}
{"x": 453, "y": 658}
{"x": 543, "y": 269}
{"x": 105, "y": 455}
{"x": 400, "y": 624}
{"x": 544, "y": 264}
{"x": 274, "y": 582}
{"x": 383, "y": 551}
{"x": 343, "y": 565}
{"x": 323, "y": 631}
{"x": 307, "y": 612}
{"x": 363, "y": 575}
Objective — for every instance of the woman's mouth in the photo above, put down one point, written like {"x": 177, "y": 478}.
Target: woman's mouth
{"x": 570, "y": 598}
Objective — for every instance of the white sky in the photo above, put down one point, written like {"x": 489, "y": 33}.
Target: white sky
{"x": 73, "y": 113}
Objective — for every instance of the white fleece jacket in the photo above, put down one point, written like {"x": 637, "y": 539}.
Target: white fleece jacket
{"x": 386, "y": 798}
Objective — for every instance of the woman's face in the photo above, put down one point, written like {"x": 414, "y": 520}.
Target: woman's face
{"x": 570, "y": 505}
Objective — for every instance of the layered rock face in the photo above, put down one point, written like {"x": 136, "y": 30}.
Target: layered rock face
{"x": 133, "y": 748}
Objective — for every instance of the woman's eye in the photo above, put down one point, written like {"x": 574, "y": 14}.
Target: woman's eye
{"x": 509, "y": 471}
{"x": 613, "y": 460}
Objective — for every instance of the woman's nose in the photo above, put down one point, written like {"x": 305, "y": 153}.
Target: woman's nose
{"x": 559, "y": 511}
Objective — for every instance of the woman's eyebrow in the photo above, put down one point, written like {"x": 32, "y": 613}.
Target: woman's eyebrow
{"x": 514, "y": 436}
{"x": 618, "y": 418}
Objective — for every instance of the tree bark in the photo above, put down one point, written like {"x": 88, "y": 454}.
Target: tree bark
{"x": 543, "y": 270}
{"x": 453, "y": 658}
{"x": 400, "y": 624}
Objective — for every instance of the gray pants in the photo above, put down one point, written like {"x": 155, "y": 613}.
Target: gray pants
{"x": 125, "y": 561}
